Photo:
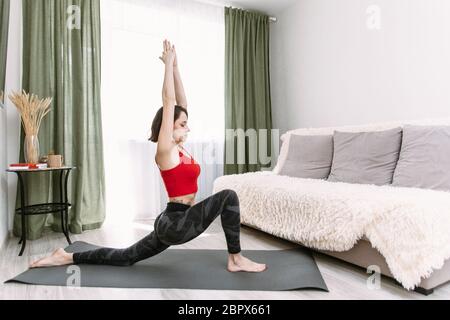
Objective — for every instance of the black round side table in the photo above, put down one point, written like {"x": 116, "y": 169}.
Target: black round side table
{"x": 61, "y": 207}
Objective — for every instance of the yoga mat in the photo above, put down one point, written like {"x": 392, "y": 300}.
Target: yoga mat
{"x": 187, "y": 269}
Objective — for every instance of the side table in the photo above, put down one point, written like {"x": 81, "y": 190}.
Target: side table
{"x": 61, "y": 207}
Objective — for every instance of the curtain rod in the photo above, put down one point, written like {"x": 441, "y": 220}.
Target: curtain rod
{"x": 228, "y": 4}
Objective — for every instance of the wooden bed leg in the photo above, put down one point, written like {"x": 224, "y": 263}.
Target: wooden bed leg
{"x": 424, "y": 291}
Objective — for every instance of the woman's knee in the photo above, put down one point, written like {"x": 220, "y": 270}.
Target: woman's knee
{"x": 127, "y": 263}
{"x": 127, "y": 257}
{"x": 231, "y": 197}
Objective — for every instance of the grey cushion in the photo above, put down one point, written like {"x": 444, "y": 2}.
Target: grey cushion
{"x": 365, "y": 157}
{"x": 308, "y": 157}
{"x": 424, "y": 158}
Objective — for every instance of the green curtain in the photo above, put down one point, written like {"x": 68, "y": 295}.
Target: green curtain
{"x": 62, "y": 60}
{"x": 247, "y": 88}
{"x": 4, "y": 24}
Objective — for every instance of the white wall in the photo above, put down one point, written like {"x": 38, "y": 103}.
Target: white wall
{"x": 10, "y": 124}
{"x": 3, "y": 180}
{"x": 328, "y": 68}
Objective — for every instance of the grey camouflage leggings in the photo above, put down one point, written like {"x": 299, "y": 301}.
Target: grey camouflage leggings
{"x": 177, "y": 224}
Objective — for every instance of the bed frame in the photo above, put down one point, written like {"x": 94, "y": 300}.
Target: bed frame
{"x": 364, "y": 255}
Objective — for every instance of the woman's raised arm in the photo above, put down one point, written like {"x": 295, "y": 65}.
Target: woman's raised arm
{"x": 179, "y": 88}
{"x": 169, "y": 99}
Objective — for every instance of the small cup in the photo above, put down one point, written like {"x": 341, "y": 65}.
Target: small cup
{"x": 55, "y": 161}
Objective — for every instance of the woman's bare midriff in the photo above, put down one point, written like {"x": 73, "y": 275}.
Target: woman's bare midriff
{"x": 187, "y": 199}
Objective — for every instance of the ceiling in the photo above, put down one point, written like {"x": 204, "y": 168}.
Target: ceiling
{"x": 267, "y": 6}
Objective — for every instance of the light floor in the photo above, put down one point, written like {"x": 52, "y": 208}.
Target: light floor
{"x": 343, "y": 280}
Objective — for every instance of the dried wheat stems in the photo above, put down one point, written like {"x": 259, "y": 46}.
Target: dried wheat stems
{"x": 31, "y": 109}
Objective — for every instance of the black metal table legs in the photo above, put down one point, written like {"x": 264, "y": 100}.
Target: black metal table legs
{"x": 62, "y": 207}
{"x": 23, "y": 218}
{"x": 65, "y": 211}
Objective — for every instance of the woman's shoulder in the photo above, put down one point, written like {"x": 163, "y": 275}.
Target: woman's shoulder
{"x": 166, "y": 156}
{"x": 166, "y": 151}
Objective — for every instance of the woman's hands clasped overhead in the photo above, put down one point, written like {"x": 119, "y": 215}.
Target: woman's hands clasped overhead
{"x": 169, "y": 55}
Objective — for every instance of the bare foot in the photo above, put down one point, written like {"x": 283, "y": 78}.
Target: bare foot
{"x": 58, "y": 258}
{"x": 237, "y": 263}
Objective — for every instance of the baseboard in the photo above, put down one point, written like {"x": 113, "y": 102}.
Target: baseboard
{"x": 4, "y": 240}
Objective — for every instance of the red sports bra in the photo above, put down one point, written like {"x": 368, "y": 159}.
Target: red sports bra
{"x": 182, "y": 179}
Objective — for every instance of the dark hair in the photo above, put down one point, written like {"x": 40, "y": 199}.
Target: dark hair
{"x": 157, "y": 121}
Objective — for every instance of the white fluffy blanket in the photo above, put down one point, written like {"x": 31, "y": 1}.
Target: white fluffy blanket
{"x": 410, "y": 227}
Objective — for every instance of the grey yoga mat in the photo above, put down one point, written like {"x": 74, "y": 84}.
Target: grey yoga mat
{"x": 187, "y": 269}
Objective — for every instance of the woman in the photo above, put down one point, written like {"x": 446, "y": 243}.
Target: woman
{"x": 182, "y": 220}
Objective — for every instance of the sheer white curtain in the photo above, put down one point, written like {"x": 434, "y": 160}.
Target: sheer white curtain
{"x": 132, "y": 77}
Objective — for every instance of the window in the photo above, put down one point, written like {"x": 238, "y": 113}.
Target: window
{"x": 132, "y": 79}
